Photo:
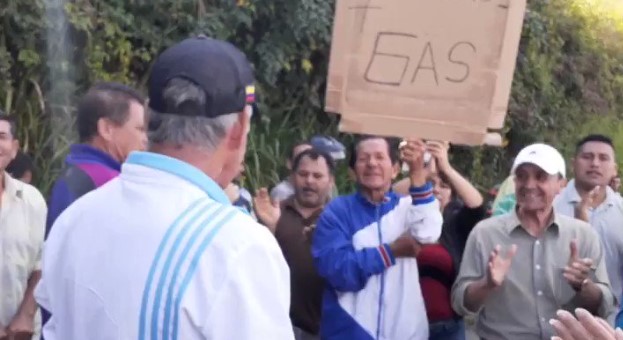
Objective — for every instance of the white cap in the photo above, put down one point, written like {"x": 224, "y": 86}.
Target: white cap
{"x": 543, "y": 156}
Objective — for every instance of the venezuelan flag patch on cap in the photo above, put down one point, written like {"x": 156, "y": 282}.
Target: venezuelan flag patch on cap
{"x": 250, "y": 91}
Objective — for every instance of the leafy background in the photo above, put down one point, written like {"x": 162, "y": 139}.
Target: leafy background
{"x": 568, "y": 81}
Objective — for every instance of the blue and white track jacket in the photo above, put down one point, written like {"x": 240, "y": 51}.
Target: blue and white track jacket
{"x": 370, "y": 294}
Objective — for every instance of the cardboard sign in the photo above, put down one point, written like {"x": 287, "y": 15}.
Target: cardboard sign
{"x": 436, "y": 69}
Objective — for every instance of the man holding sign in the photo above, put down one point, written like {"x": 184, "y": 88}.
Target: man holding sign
{"x": 518, "y": 269}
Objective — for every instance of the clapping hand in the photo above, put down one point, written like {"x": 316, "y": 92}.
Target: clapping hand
{"x": 267, "y": 211}
{"x": 499, "y": 265}
{"x": 578, "y": 270}
{"x": 582, "y": 208}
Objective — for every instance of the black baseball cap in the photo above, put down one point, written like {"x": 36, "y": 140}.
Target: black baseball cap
{"x": 217, "y": 66}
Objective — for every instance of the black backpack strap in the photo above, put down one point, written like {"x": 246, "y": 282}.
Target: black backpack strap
{"x": 78, "y": 181}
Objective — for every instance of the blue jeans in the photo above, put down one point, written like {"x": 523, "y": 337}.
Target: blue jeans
{"x": 447, "y": 330}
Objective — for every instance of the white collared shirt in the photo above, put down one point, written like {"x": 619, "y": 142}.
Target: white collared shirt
{"x": 22, "y": 228}
{"x": 159, "y": 250}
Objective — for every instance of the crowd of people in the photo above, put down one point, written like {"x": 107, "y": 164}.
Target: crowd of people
{"x": 148, "y": 232}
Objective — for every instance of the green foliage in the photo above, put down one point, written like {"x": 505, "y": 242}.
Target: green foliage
{"x": 568, "y": 75}
{"x": 568, "y": 81}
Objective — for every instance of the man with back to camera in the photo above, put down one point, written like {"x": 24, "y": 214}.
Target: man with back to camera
{"x": 171, "y": 257}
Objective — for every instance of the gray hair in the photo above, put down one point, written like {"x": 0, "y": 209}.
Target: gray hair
{"x": 188, "y": 130}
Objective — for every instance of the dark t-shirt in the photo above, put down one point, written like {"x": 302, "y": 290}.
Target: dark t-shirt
{"x": 306, "y": 286}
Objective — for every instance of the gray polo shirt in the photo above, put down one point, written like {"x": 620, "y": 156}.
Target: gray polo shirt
{"x": 534, "y": 288}
{"x": 607, "y": 220}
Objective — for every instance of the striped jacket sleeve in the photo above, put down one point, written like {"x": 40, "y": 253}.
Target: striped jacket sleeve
{"x": 336, "y": 259}
{"x": 424, "y": 219}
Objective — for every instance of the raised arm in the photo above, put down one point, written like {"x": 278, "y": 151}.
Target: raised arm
{"x": 424, "y": 220}
{"x": 470, "y": 196}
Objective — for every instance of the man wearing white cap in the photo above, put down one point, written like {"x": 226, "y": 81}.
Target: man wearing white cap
{"x": 520, "y": 268}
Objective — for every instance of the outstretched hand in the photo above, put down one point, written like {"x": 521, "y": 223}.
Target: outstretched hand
{"x": 585, "y": 327}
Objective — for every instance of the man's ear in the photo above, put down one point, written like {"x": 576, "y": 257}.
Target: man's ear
{"x": 395, "y": 170}
{"x": 238, "y": 131}
{"x": 105, "y": 128}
